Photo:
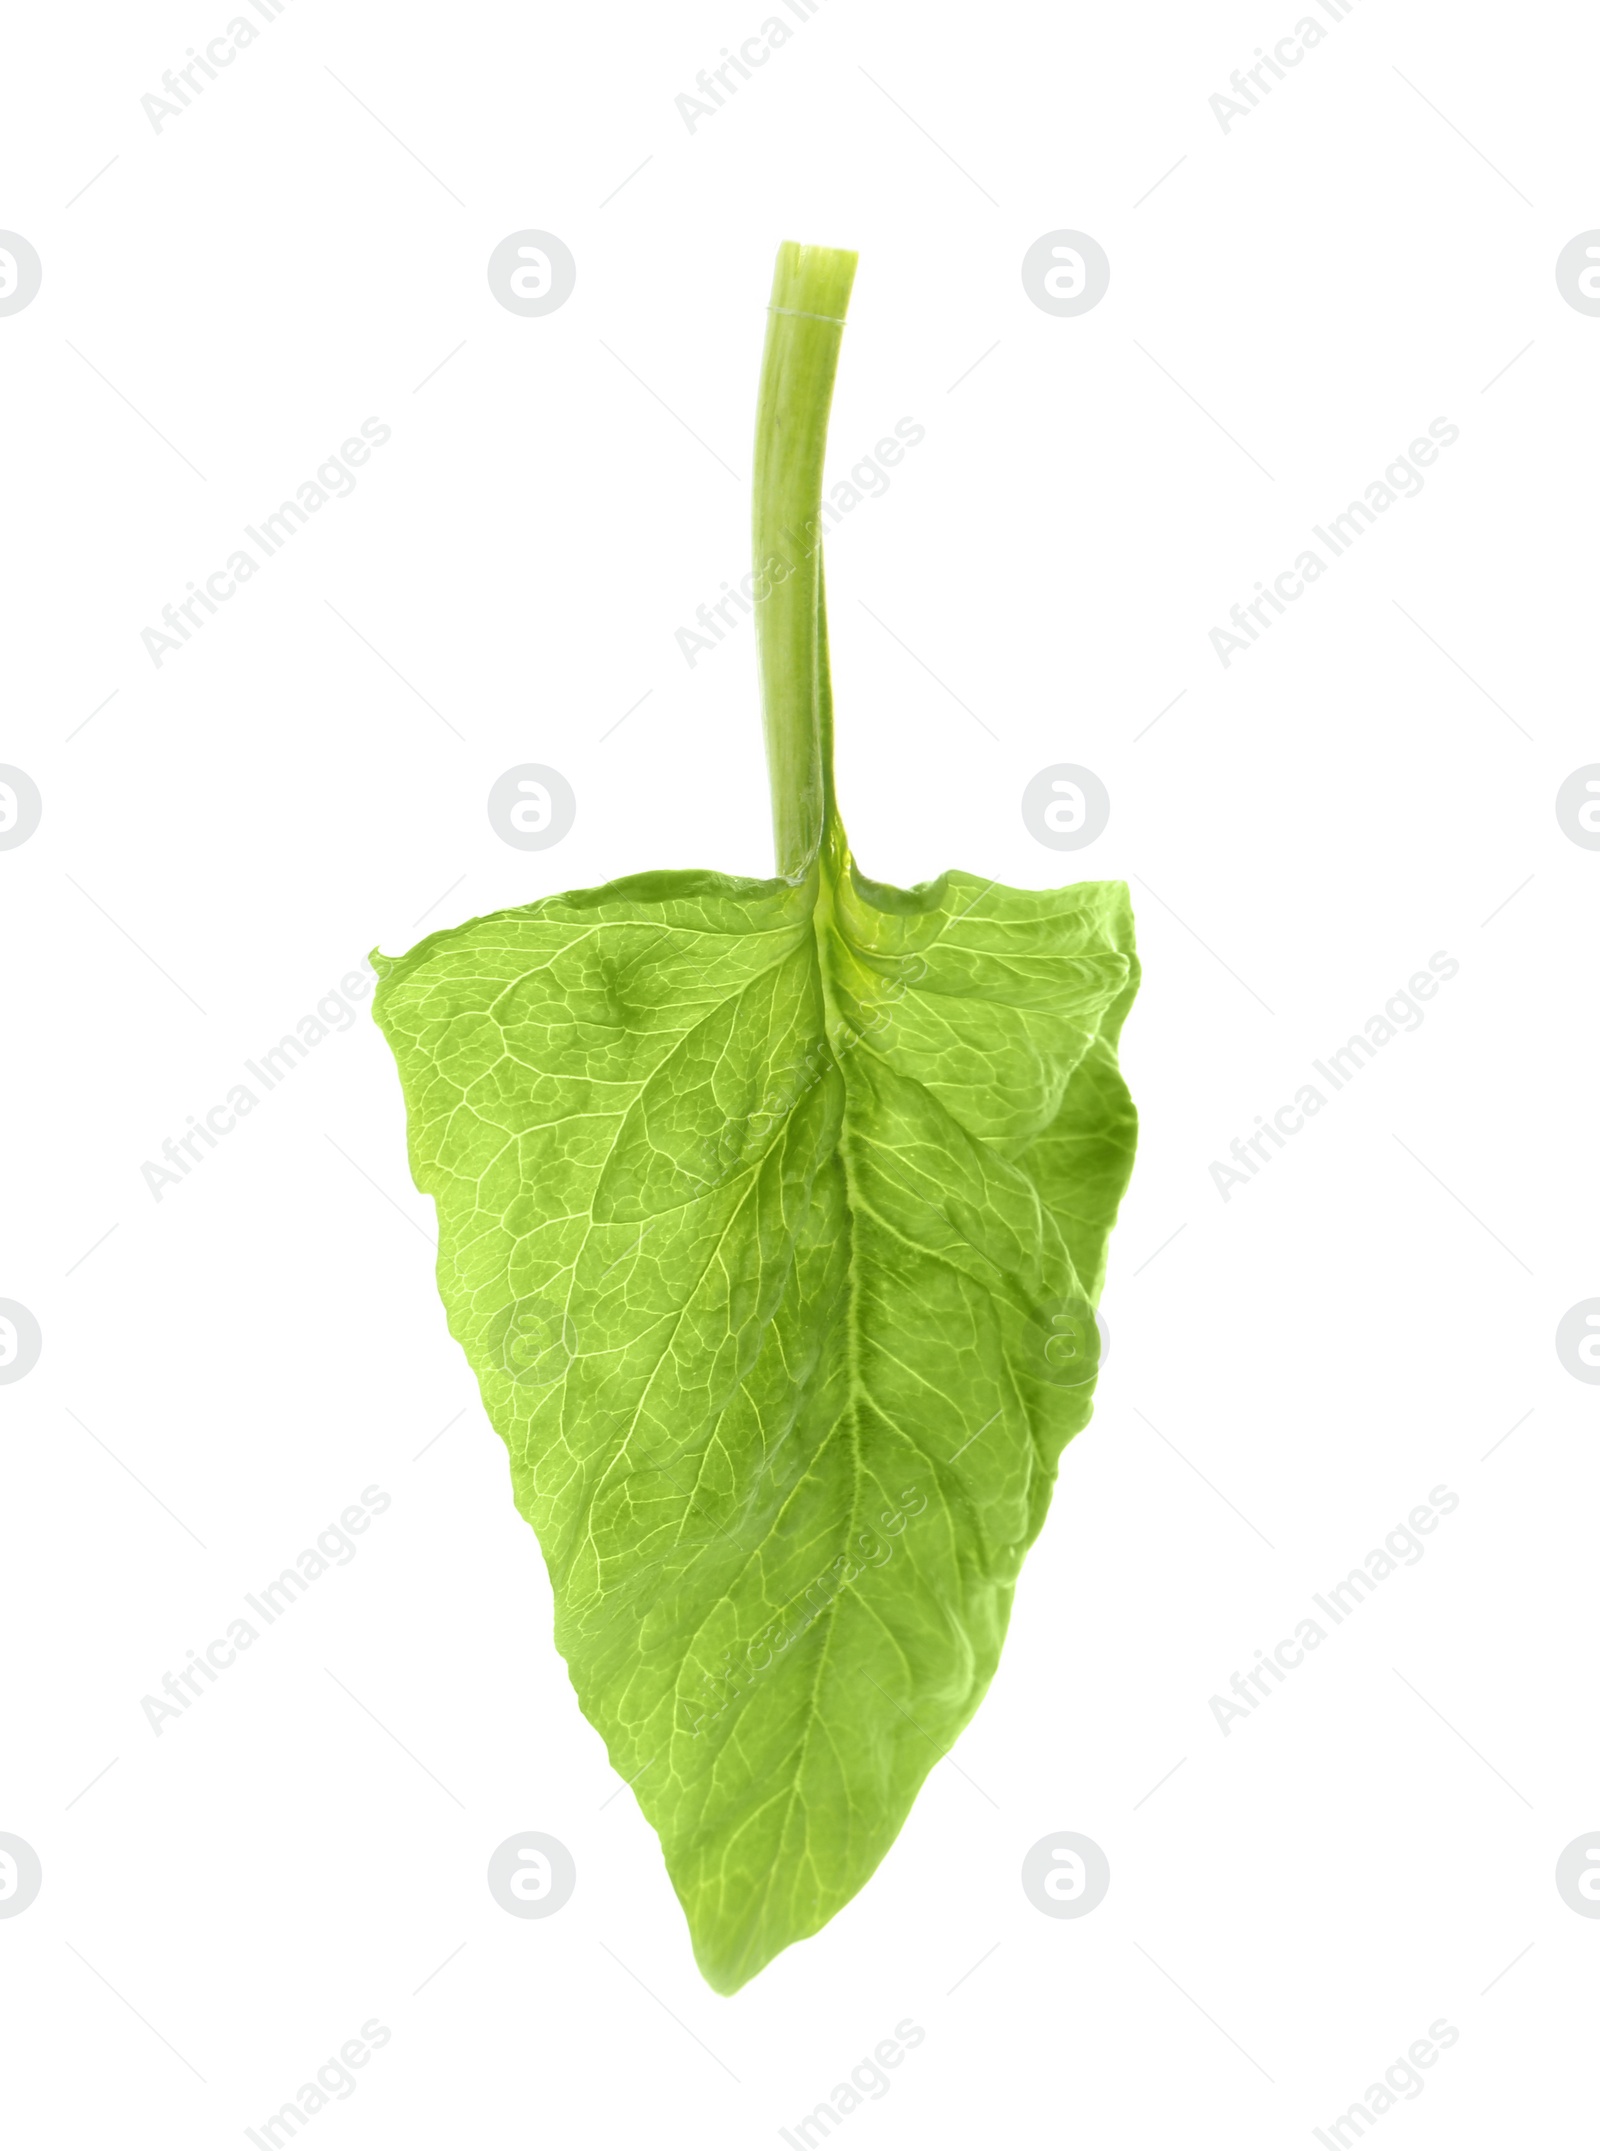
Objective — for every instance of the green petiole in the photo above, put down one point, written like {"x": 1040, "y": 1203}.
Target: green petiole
{"x": 805, "y": 324}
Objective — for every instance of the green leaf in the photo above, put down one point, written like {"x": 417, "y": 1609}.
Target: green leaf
{"x": 771, "y": 1218}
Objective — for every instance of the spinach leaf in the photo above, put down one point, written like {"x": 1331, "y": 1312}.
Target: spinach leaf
{"x": 771, "y": 1219}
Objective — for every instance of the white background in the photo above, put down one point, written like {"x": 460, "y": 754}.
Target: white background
{"x": 227, "y": 1903}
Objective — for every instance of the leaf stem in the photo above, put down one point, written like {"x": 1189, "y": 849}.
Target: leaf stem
{"x": 805, "y": 323}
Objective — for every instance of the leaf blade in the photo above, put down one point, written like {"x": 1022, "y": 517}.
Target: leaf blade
{"x": 759, "y": 1205}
